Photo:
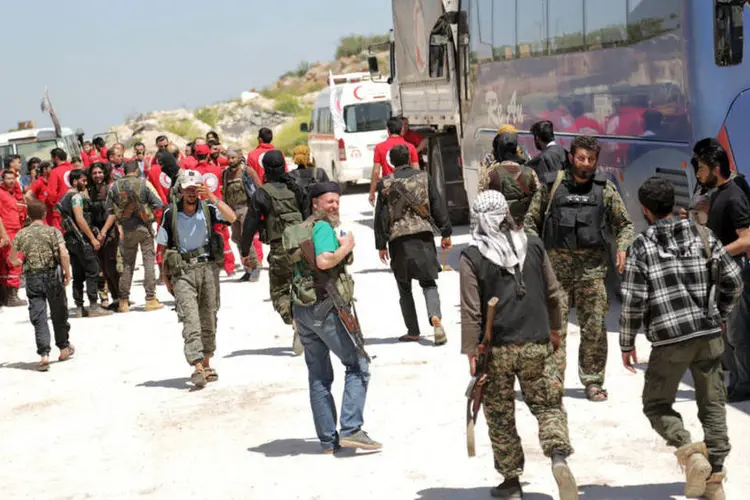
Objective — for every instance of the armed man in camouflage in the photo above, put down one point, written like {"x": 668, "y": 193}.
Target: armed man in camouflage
{"x": 131, "y": 203}
{"x": 276, "y": 205}
{"x": 322, "y": 294}
{"x": 509, "y": 175}
{"x": 75, "y": 209}
{"x": 44, "y": 254}
{"x": 576, "y": 223}
{"x": 408, "y": 208}
{"x": 191, "y": 267}
{"x": 501, "y": 261}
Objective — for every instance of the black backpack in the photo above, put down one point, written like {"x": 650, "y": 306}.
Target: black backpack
{"x": 306, "y": 178}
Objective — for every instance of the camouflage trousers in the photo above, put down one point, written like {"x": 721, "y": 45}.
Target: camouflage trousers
{"x": 280, "y": 281}
{"x": 196, "y": 301}
{"x": 542, "y": 391}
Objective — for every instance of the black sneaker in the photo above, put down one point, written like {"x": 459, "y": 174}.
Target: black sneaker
{"x": 510, "y": 489}
{"x": 244, "y": 278}
{"x": 360, "y": 440}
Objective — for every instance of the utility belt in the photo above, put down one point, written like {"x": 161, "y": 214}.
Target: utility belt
{"x": 176, "y": 262}
{"x": 42, "y": 272}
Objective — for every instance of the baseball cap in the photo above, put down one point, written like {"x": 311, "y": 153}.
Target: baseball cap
{"x": 202, "y": 149}
{"x": 190, "y": 178}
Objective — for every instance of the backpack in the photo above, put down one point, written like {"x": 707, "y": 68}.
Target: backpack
{"x": 306, "y": 182}
{"x": 284, "y": 212}
{"x": 129, "y": 193}
{"x": 517, "y": 187}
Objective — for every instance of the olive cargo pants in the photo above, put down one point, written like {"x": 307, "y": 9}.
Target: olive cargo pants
{"x": 666, "y": 366}
{"x": 132, "y": 239}
{"x": 197, "y": 304}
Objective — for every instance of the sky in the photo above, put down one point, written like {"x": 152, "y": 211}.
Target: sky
{"x": 105, "y": 60}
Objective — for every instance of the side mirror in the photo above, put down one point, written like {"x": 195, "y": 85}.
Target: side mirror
{"x": 303, "y": 127}
{"x": 372, "y": 65}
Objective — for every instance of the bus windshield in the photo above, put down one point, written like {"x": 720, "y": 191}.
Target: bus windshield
{"x": 40, "y": 149}
{"x": 367, "y": 117}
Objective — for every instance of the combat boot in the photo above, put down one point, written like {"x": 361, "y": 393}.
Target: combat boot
{"x": 566, "y": 483}
{"x": 13, "y": 300}
{"x": 510, "y": 489}
{"x": 153, "y": 304}
{"x": 693, "y": 459}
{"x": 66, "y": 353}
{"x": 715, "y": 486}
{"x": 124, "y": 306}
{"x": 440, "y": 337}
{"x": 96, "y": 310}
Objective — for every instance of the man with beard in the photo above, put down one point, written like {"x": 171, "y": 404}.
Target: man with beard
{"x": 320, "y": 327}
{"x": 729, "y": 218}
{"x": 109, "y": 276}
{"x": 132, "y": 204}
{"x": 140, "y": 158}
{"x": 216, "y": 156}
{"x": 191, "y": 268}
{"x": 240, "y": 184}
{"x": 75, "y": 208}
{"x": 502, "y": 262}
{"x": 408, "y": 206}
{"x": 58, "y": 185}
{"x": 276, "y": 205}
{"x": 116, "y": 163}
{"x": 12, "y": 218}
{"x": 576, "y": 212}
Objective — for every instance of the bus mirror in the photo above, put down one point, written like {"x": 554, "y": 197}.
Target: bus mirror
{"x": 372, "y": 65}
{"x": 303, "y": 127}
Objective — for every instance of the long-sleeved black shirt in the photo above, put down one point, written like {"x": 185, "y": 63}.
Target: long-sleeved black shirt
{"x": 259, "y": 207}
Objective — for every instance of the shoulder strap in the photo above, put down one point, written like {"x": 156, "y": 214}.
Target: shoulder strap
{"x": 553, "y": 191}
{"x": 703, "y": 233}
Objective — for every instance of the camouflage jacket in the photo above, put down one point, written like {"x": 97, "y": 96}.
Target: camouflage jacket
{"x": 40, "y": 245}
{"x": 589, "y": 264}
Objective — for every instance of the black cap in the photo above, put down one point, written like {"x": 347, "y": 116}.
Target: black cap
{"x": 322, "y": 188}
{"x": 274, "y": 159}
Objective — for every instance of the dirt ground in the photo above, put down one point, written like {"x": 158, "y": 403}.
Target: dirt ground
{"x": 120, "y": 421}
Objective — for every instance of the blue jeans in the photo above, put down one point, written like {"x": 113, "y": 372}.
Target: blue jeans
{"x": 737, "y": 354}
{"x": 320, "y": 337}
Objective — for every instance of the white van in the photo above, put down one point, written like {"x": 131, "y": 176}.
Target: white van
{"x": 38, "y": 142}
{"x": 365, "y": 106}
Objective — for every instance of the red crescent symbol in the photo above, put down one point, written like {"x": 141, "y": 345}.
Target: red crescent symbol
{"x": 356, "y": 93}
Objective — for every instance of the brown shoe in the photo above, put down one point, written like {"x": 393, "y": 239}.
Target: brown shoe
{"x": 12, "y": 299}
{"x": 43, "y": 364}
{"x": 153, "y": 305}
{"x": 65, "y": 354}
{"x": 124, "y": 306}
{"x": 715, "y": 486}
{"x": 198, "y": 378}
{"x": 440, "y": 337}
{"x": 692, "y": 458}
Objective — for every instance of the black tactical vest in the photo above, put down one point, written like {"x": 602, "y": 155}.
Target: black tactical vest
{"x": 518, "y": 319}
{"x": 577, "y": 216}
{"x": 66, "y": 207}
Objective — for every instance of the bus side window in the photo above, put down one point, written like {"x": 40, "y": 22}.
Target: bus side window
{"x": 729, "y": 26}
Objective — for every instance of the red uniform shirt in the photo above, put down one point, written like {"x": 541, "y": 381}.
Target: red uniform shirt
{"x": 190, "y": 163}
{"x": 255, "y": 158}
{"x": 413, "y": 138}
{"x": 161, "y": 182}
{"x": 58, "y": 183}
{"x": 383, "y": 159}
{"x": 221, "y": 161}
{"x": 39, "y": 189}
{"x": 85, "y": 158}
{"x": 12, "y": 209}
{"x": 211, "y": 177}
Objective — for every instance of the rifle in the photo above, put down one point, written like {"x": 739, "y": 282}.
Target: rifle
{"x": 475, "y": 390}
{"x": 407, "y": 199}
{"x": 70, "y": 227}
{"x": 346, "y": 312}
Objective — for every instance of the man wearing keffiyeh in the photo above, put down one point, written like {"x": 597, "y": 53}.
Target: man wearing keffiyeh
{"x": 501, "y": 261}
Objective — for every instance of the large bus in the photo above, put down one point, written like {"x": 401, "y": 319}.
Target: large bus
{"x": 39, "y": 142}
{"x": 647, "y": 77}
{"x": 364, "y": 103}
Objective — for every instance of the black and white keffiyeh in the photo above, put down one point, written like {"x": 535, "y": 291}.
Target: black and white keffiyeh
{"x": 488, "y": 212}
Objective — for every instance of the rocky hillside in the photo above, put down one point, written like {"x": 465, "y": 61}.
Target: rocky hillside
{"x": 281, "y": 106}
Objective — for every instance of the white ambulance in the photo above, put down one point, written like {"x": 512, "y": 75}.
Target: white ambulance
{"x": 364, "y": 104}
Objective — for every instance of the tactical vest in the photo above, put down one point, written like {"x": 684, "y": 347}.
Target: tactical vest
{"x": 176, "y": 260}
{"x": 577, "y": 215}
{"x": 308, "y": 284}
{"x": 66, "y": 210}
{"x": 516, "y": 187}
{"x": 517, "y": 319}
{"x": 129, "y": 194}
{"x": 407, "y": 219}
{"x": 284, "y": 212}
{"x": 306, "y": 178}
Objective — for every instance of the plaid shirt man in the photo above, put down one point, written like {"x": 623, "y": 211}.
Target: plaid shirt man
{"x": 667, "y": 282}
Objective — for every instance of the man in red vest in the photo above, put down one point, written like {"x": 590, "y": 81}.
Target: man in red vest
{"x": 255, "y": 158}
{"x": 57, "y": 185}
{"x": 12, "y": 215}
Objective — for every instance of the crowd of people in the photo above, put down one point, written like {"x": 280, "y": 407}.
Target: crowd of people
{"x": 544, "y": 233}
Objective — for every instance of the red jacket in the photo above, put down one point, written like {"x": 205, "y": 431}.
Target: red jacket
{"x": 58, "y": 183}
{"x": 255, "y": 158}
{"x": 211, "y": 177}
{"x": 161, "y": 182}
{"x": 39, "y": 189}
{"x": 190, "y": 163}
{"x": 221, "y": 161}
{"x": 12, "y": 209}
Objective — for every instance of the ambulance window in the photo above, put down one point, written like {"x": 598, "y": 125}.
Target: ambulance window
{"x": 728, "y": 32}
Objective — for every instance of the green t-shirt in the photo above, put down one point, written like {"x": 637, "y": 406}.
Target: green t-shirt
{"x": 324, "y": 238}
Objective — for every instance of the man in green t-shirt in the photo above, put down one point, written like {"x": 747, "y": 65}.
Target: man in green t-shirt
{"x": 322, "y": 330}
